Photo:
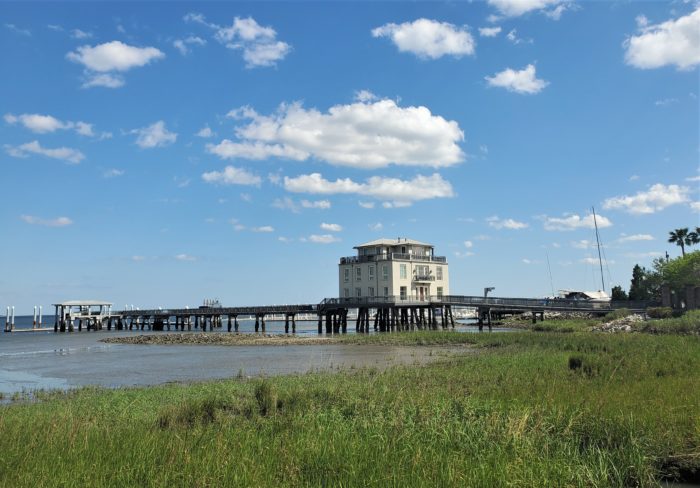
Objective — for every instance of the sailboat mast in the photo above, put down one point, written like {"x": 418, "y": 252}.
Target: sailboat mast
{"x": 597, "y": 239}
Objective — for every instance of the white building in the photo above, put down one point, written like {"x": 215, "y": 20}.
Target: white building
{"x": 401, "y": 268}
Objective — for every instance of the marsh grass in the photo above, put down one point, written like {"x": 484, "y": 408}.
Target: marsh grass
{"x": 515, "y": 412}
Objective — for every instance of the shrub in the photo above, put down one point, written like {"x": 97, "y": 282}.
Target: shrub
{"x": 618, "y": 314}
{"x": 660, "y": 312}
{"x": 265, "y": 398}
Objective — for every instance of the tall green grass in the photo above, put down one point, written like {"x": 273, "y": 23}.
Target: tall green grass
{"x": 516, "y": 411}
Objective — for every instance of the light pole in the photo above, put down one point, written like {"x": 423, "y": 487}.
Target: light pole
{"x": 487, "y": 290}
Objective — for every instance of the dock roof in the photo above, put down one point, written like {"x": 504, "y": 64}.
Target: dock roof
{"x": 82, "y": 303}
{"x": 392, "y": 242}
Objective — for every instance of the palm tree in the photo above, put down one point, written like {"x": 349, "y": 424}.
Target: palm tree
{"x": 681, "y": 238}
{"x": 694, "y": 236}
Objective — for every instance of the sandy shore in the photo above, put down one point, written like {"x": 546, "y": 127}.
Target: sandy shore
{"x": 218, "y": 339}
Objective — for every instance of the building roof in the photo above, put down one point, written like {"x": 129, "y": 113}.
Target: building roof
{"x": 82, "y": 303}
{"x": 392, "y": 242}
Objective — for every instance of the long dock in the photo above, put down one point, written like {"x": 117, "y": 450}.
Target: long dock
{"x": 377, "y": 313}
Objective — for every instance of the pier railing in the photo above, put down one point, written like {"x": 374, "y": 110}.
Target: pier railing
{"x": 391, "y": 256}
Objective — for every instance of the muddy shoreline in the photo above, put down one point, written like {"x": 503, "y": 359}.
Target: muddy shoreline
{"x": 217, "y": 339}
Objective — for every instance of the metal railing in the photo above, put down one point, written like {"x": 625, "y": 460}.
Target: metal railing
{"x": 391, "y": 256}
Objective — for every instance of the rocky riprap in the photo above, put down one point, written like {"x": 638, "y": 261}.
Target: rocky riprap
{"x": 217, "y": 339}
{"x": 624, "y": 324}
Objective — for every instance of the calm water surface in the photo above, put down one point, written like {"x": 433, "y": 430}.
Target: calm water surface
{"x": 46, "y": 360}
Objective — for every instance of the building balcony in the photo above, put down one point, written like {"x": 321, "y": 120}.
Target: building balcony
{"x": 420, "y": 278}
{"x": 392, "y": 257}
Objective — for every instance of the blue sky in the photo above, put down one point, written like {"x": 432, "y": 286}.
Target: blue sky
{"x": 159, "y": 153}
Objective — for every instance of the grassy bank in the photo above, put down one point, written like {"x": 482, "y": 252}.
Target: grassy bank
{"x": 528, "y": 409}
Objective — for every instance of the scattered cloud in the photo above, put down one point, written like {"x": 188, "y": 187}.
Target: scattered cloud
{"x": 138, "y": 258}
{"x": 246, "y": 197}
{"x": 365, "y": 96}
{"x": 43, "y": 124}
{"x": 263, "y": 228}
{"x": 205, "y": 132}
{"x": 321, "y": 204}
{"x": 376, "y": 226}
{"x": 183, "y": 45}
{"x": 634, "y": 177}
{"x": 693, "y": 178}
{"x": 468, "y": 244}
{"x": 428, "y": 39}
{"x": 595, "y": 261}
{"x": 103, "y": 61}
{"x": 635, "y": 237}
{"x": 695, "y": 207}
{"x": 393, "y": 190}
{"x": 323, "y": 239}
{"x": 232, "y": 176}
{"x": 259, "y": 44}
{"x": 66, "y": 154}
{"x": 489, "y": 31}
{"x": 657, "y": 198}
{"x": 284, "y": 239}
{"x": 331, "y": 227}
{"x": 515, "y": 8}
{"x": 512, "y": 36}
{"x": 498, "y": 223}
{"x": 79, "y": 34}
{"x": 665, "y": 102}
{"x": 112, "y": 173}
{"x": 643, "y": 255}
{"x": 573, "y": 222}
{"x": 286, "y": 203}
{"x": 57, "y": 222}
{"x": 674, "y": 42}
{"x": 524, "y": 81}
{"x": 185, "y": 257}
{"x": 361, "y": 135}
{"x": 582, "y": 244}
{"x": 366, "y": 205}
{"x": 155, "y": 135}
{"x": 18, "y": 30}
{"x": 465, "y": 254}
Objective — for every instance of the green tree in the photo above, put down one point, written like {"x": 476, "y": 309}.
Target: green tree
{"x": 694, "y": 236}
{"x": 639, "y": 289}
{"x": 618, "y": 293}
{"x": 681, "y": 238}
{"x": 683, "y": 271}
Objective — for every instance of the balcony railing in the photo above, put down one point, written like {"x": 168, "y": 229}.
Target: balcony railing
{"x": 423, "y": 277}
{"x": 392, "y": 256}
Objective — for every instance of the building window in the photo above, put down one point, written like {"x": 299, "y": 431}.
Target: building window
{"x": 439, "y": 292}
{"x": 385, "y": 272}
{"x": 386, "y": 291}
{"x": 403, "y": 249}
{"x": 358, "y": 274}
{"x": 347, "y": 274}
{"x": 371, "y": 272}
{"x": 347, "y": 292}
{"x": 370, "y": 291}
{"x": 358, "y": 292}
{"x": 403, "y": 292}
{"x": 438, "y": 272}
{"x": 402, "y": 271}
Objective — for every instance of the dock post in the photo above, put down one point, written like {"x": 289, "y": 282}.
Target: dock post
{"x": 55, "y": 319}
{"x": 320, "y": 323}
{"x": 257, "y": 323}
{"x": 344, "y": 318}
{"x": 534, "y": 317}
{"x": 235, "y": 323}
{"x": 34, "y": 323}
{"x": 294, "y": 324}
{"x": 262, "y": 323}
{"x": 328, "y": 323}
{"x": 229, "y": 323}
{"x": 286, "y": 323}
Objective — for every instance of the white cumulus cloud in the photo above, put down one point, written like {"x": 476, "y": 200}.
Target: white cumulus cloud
{"x": 67, "y": 154}
{"x": 155, "y": 135}
{"x": 205, "y": 132}
{"x": 103, "y": 60}
{"x": 674, "y": 42}
{"x": 259, "y": 44}
{"x": 516, "y": 8}
{"x": 524, "y": 81}
{"x": 57, "y": 222}
{"x": 323, "y": 238}
{"x": 489, "y": 31}
{"x": 331, "y": 227}
{"x": 393, "y": 190}
{"x": 232, "y": 176}
{"x": 42, "y": 124}
{"x": 498, "y": 223}
{"x": 362, "y": 135}
{"x": 263, "y": 228}
{"x": 321, "y": 204}
{"x": 574, "y": 221}
{"x": 428, "y": 38}
{"x": 635, "y": 237}
{"x": 658, "y": 197}
{"x": 183, "y": 45}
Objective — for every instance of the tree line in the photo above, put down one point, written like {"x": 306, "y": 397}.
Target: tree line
{"x": 677, "y": 273}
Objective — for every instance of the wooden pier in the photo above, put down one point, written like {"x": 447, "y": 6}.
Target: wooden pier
{"x": 381, "y": 314}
